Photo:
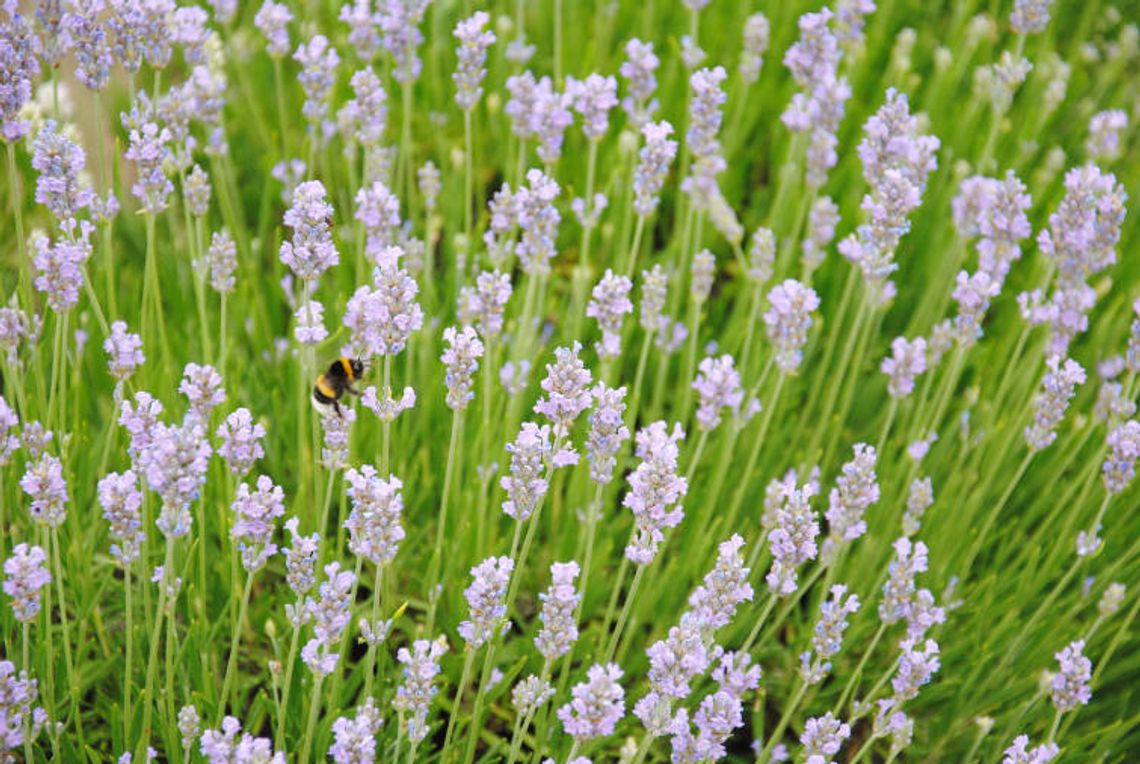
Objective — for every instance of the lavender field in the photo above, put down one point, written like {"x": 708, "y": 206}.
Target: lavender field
{"x": 569, "y": 381}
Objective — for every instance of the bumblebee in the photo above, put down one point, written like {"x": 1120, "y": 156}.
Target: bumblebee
{"x": 334, "y": 383}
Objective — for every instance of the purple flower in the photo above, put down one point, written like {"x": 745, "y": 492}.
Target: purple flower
{"x": 197, "y": 191}
{"x": 526, "y": 485}
{"x": 1058, "y": 387}
{"x": 124, "y": 351}
{"x": 18, "y": 70}
{"x": 202, "y": 386}
{"x": 149, "y": 149}
{"x": 429, "y": 184}
{"x": 330, "y": 614}
{"x": 487, "y": 610}
{"x": 654, "y": 284}
{"x": 917, "y": 664}
{"x": 822, "y": 221}
{"x": 705, "y": 118}
{"x": 1019, "y": 752}
{"x": 25, "y": 575}
{"x": 655, "y": 487}
{"x": 559, "y": 631}
{"x": 381, "y": 319}
{"x": 1120, "y": 465}
{"x": 354, "y": 740}
{"x": 363, "y": 28}
{"x": 461, "y": 357}
{"x": 907, "y": 361}
{"x": 856, "y": 489}
{"x": 823, "y": 736}
{"x": 718, "y": 385}
{"x": 474, "y": 40}
{"x": 920, "y": 496}
{"x": 90, "y": 44}
{"x": 1070, "y": 686}
{"x": 310, "y": 324}
{"x": 120, "y": 497}
{"x": 223, "y": 746}
{"x": 593, "y": 98}
{"x": 175, "y": 462}
{"x": 414, "y": 696}
{"x": 793, "y": 539}
{"x": 301, "y": 559}
{"x": 399, "y": 24}
{"x": 788, "y": 319}
{"x": 530, "y": 694}
{"x": 241, "y": 441}
{"x": 378, "y": 210}
{"x": 702, "y": 275}
{"x": 221, "y": 259}
{"x": 311, "y": 250}
{"x": 319, "y": 62}
{"x": 899, "y": 589}
{"x": 365, "y": 115}
{"x": 140, "y": 420}
{"x": 756, "y": 35}
{"x": 609, "y": 305}
{"x": 1104, "y": 134}
{"x": 59, "y": 162}
{"x": 567, "y": 388}
{"x": 44, "y": 484}
{"x": 256, "y": 518}
{"x": 654, "y": 160}
{"x": 994, "y": 210}
{"x": 538, "y": 220}
{"x": 9, "y": 439}
{"x": 373, "y": 524}
{"x": 59, "y": 267}
{"x": 597, "y": 706}
{"x": 827, "y": 638}
{"x": 18, "y": 694}
{"x": 482, "y": 305}
{"x": 607, "y": 431}
{"x": 724, "y": 588}
{"x": 675, "y": 661}
{"x": 639, "y": 71}
{"x": 1030, "y": 17}
{"x": 334, "y": 449}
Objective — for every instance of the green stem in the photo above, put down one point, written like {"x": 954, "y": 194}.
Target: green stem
{"x": 235, "y": 642}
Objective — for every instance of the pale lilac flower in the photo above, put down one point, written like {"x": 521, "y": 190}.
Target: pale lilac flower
{"x": 972, "y": 293}
{"x": 761, "y": 255}
{"x": 140, "y": 420}
{"x": 692, "y": 54}
{"x": 899, "y": 589}
{"x": 256, "y": 514}
{"x": 550, "y": 117}
{"x": 1030, "y": 17}
{"x": 301, "y": 559}
{"x": 25, "y": 575}
{"x": 719, "y": 388}
{"x": 330, "y": 614}
{"x": 311, "y": 251}
{"x": 1070, "y": 686}
{"x": 827, "y": 637}
{"x": 241, "y": 441}
{"x": 373, "y": 524}
{"x": 907, "y": 361}
{"x": 724, "y": 588}
{"x": 60, "y": 163}
{"x": 994, "y": 210}
{"x": 354, "y": 740}
{"x": 531, "y": 694}
{"x": 19, "y": 68}
{"x": 124, "y": 351}
{"x": 381, "y": 319}
{"x": 202, "y": 386}
{"x": 486, "y": 604}
{"x": 639, "y": 71}
{"x": 309, "y": 328}
{"x": 474, "y": 40}
{"x": 593, "y": 98}
{"x": 607, "y": 431}
{"x": 559, "y": 631}
{"x": 319, "y": 62}
{"x": 15, "y": 326}
{"x": 855, "y": 490}
{"x": 1104, "y": 134}
{"x": 429, "y": 184}
{"x": 674, "y": 662}
{"x": 702, "y": 275}
{"x": 188, "y": 726}
{"x": 149, "y": 149}
{"x": 365, "y": 116}
{"x": 923, "y": 614}
{"x": 757, "y": 34}
{"x": 920, "y": 496}
{"x": 175, "y": 462}
{"x": 414, "y": 696}
{"x": 18, "y": 712}
{"x": 822, "y": 221}
{"x": 823, "y": 736}
{"x": 461, "y": 357}
{"x": 378, "y": 210}
{"x": 59, "y": 267}
{"x": 793, "y": 539}
{"x": 653, "y": 293}
{"x": 363, "y": 28}
{"x": 705, "y": 118}
{"x": 1020, "y": 753}
{"x": 1059, "y": 385}
{"x": 90, "y": 44}
{"x": 654, "y": 160}
{"x": 399, "y": 24}
{"x": 223, "y": 746}
{"x": 917, "y": 664}
{"x": 120, "y": 498}
{"x": 196, "y": 191}
{"x": 482, "y": 305}
{"x": 567, "y": 388}
{"x": 719, "y": 714}
{"x": 788, "y": 320}
{"x": 9, "y": 439}
{"x": 609, "y": 305}
{"x": 44, "y": 484}
{"x": 221, "y": 259}
{"x": 336, "y": 427}
{"x": 1120, "y": 465}
{"x": 388, "y": 407}
{"x": 1000, "y": 81}
{"x": 597, "y": 706}
{"x": 538, "y": 220}
{"x": 655, "y": 487}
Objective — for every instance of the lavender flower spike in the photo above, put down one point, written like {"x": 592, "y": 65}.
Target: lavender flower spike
{"x": 414, "y": 696}
{"x": 607, "y": 431}
{"x": 1070, "y": 686}
{"x": 485, "y": 600}
{"x": 1059, "y": 385}
{"x": 609, "y": 304}
{"x": 256, "y": 519}
{"x": 461, "y": 357}
{"x": 654, "y": 488}
{"x": 597, "y": 706}
{"x": 311, "y": 251}
{"x": 1020, "y": 753}
{"x": 474, "y": 40}
{"x": 373, "y": 524}
{"x": 718, "y": 385}
{"x": 25, "y": 575}
{"x": 567, "y": 388}
{"x": 788, "y": 320}
{"x": 559, "y": 631}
